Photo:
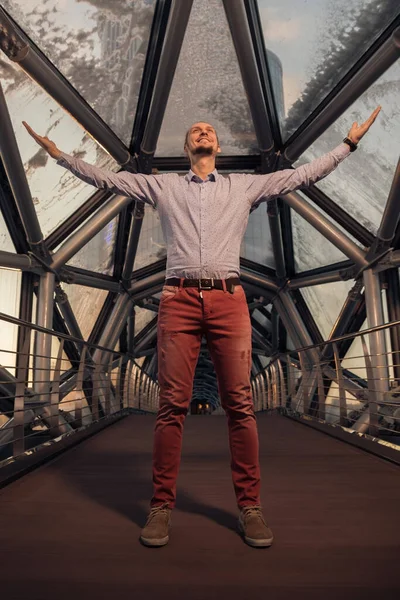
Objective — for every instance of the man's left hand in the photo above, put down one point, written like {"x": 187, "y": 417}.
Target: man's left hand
{"x": 358, "y": 131}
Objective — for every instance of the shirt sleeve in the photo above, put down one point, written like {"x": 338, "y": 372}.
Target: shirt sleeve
{"x": 264, "y": 187}
{"x": 147, "y": 188}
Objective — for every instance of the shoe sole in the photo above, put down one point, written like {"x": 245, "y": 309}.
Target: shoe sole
{"x": 155, "y": 542}
{"x": 265, "y": 543}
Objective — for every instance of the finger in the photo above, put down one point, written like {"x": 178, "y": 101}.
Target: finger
{"x": 373, "y": 116}
{"x": 30, "y": 130}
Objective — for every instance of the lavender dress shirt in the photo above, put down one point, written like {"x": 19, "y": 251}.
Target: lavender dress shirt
{"x": 204, "y": 222}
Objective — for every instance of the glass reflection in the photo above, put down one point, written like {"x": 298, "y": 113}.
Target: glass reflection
{"x": 151, "y": 245}
{"x": 208, "y": 86}
{"x": 317, "y": 42}
{"x": 325, "y": 303}
{"x": 142, "y": 318}
{"x": 56, "y": 192}
{"x": 98, "y": 254}
{"x": 86, "y": 304}
{"x": 10, "y": 290}
{"x": 5, "y": 238}
{"x": 100, "y": 47}
{"x": 257, "y": 243}
{"x": 361, "y": 184}
{"x": 311, "y": 248}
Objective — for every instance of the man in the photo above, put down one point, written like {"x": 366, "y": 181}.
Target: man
{"x": 203, "y": 217}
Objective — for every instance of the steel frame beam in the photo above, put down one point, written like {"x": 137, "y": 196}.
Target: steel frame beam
{"x": 88, "y": 230}
{"x": 177, "y": 23}
{"x": 42, "y": 346}
{"x": 393, "y": 306}
{"x": 238, "y": 23}
{"x": 276, "y": 237}
{"x": 16, "y": 176}
{"x": 390, "y": 217}
{"x": 257, "y": 37}
{"x": 156, "y": 41}
{"x": 132, "y": 242}
{"x": 75, "y": 276}
{"x": 19, "y": 261}
{"x": 339, "y": 215}
{"x": 310, "y": 280}
{"x": 71, "y": 224}
{"x": 61, "y": 298}
{"x": 328, "y": 229}
{"x": 9, "y": 210}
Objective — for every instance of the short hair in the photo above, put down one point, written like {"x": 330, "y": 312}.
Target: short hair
{"x": 188, "y": 133}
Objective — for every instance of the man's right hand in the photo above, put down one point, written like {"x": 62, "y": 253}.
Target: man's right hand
{"x": 44, "y": 142}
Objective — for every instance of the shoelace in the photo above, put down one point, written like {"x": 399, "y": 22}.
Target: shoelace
{"x": 249, "y": 511}
{"x": 157, "y": 510}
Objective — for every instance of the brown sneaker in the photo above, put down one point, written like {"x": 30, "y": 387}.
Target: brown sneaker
{"x": 253, "y": 527}
{"x": 155, "y": 532}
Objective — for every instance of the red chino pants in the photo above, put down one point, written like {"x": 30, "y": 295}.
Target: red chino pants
{"x": 186, "y": 315}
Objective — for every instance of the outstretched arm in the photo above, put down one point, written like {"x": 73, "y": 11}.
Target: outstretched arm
{"x": 146, "y": 188}
{"x": 265, "y": 187}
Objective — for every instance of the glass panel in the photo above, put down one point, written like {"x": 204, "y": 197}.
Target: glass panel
{"x": 361, "y": 184}
{"x": 10, "y": 289}
{"x": 354, "y": 361}
{"x": 86, "y": 303}
{"x": 5, "y": 238}
{"x": 98, "y": 254}
{"x": 68, "y": 405}
{"x": 311, "y": 248}
{"x": 151, "y": 245}
{"x": 101, "y": 50}
{"x": 325, "y": 303}
{"x": 55, "y": 191}
{"x": 208, "y": 86}
{"x": 257, "y": 243}
{"x": 316, "y": 43}
{"x": 55, "y": 346}
{"x": 142, "y": 318}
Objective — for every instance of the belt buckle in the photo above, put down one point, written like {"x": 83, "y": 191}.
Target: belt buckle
{"x": 206, "y": 286}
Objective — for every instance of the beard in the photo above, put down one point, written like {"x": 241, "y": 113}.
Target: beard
{"x": 205, "y": 150}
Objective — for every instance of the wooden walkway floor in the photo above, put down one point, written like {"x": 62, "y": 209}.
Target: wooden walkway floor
{"x": 69, "y": 530}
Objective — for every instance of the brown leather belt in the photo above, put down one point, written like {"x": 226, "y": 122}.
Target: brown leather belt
{"x": 206, "y": 284}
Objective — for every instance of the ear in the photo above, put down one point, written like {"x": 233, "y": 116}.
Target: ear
{"x": 219, "y": 150}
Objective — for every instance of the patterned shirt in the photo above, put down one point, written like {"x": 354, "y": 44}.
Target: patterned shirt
{"x": 204, "y": 221}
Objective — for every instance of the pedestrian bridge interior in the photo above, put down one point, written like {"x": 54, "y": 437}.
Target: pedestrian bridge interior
{"x": 118, "y": 83}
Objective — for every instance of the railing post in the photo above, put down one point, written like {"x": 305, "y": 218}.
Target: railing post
{"x": 372, "y": 395}
{"x": 96, "y": 392}
{"x": 269, "y": 386}
{"x": 118, "y": 385}
{"x": 19, "y": 401}
{"x": 340, "y": 382}
{"x": 290, "y": 379}
{"x": 283, "y": 385}
{"x": 321, "y": 393}
{"x": 55, "y": 392}
{"x": 79, "y": 388}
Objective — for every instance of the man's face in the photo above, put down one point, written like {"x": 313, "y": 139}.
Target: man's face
{"x": 202, "y": 140}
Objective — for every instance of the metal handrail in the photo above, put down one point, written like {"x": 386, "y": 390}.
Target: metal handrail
{"x": 60, "y": 401}
{"x": 341, "y": 338}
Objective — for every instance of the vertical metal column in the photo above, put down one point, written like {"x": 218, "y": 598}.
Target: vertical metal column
{"x": 393, "y": 304}
{"x": 42, "y": 347}
{"x": 373, "y": 299}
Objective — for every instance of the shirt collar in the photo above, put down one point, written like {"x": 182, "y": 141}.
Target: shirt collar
{"x": 190, "y": 176}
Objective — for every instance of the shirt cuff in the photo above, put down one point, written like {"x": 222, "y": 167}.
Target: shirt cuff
{"x": 64, "y": 158}
{"x": 342, "y": 150}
